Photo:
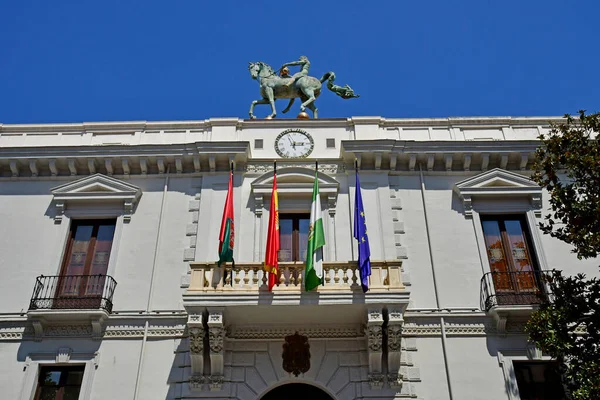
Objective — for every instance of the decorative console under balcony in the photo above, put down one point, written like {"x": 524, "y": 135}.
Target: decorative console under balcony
{"x": 70, "y": 300}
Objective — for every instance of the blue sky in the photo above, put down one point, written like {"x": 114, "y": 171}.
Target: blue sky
{"x": 75, "y": 60}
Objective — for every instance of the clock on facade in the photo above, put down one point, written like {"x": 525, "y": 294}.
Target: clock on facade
{"x": 294, "y": 143}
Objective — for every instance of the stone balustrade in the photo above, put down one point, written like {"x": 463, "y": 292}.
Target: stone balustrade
{"x": 250, "y": 277}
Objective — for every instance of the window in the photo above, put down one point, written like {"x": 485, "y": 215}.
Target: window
{"x": 293, "y": 236}
{"x": 59, "y": 383}
{"x": 538, "y": 380}
{"x": 84, "y": 269}
{"x": 89, "y": 247}
{"x": 512, "y": 263}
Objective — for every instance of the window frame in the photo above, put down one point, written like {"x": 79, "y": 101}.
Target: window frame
{"x": 530, "y": 223}
{"x": 506, "y": 359}
{"x": 92, "y": 245}
{"x": 529, "y": 245}
{"x": 62, "y": 357}
{"x": 530, "y": 363}
{"x": 61, "y": 387}
{"x": 295, "y": 218}
{"x": 498, "y": 191}
{"x": 72, "y": 216}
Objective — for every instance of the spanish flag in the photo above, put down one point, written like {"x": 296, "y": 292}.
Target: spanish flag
{"x": 226, "y": 236}
{"x": 271, "y": 256}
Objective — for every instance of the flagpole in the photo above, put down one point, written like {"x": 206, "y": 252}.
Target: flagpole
{"x": 273, "y": 277}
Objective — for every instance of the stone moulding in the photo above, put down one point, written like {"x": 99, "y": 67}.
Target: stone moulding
{"x": 93, "y": 189}
{"x": 261, "y": 167}
{"x": 35, "y": 330}
{"x": 253, "y": 333}
{"x": 498, "y": 184}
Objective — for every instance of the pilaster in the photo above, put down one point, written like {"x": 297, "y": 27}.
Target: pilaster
{"x": 216, "y": 337}
{"x": 374, "y": 334}
{"x": 394, "y": 337}
{"x": 196, "y": 337}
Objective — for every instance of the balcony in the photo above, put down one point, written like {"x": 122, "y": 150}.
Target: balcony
{"x": 247, "y": 284}
{"x": 74, "y": 292}
{"x": 71, "y": 299}
{"x": 241, "y": 295}
{"x": 512, "y": 294}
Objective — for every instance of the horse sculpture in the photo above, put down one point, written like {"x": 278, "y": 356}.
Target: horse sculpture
{"x": 307, "y": 88}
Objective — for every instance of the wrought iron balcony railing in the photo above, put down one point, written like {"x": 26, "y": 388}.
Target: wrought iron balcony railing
{"x": 74, "y": 292}
{"x": 513, "y": 288}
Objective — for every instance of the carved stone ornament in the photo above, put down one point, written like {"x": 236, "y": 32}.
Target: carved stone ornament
{"x": 376, "y": 381}
{"x": 215, "y": 338}
{"x": 374, "y": 337}
{"x": 216, "y": 382}
{"x": 196, "y": 340}
{"x": 395, "y": 381}
{"x": 394, "y": 338}
{"x": 296, "y": 354}
{"x": 264, "y": 167}
{"x": 396, "y": 316}
{"x": 375, "y": 315}
{"x": 196, "y": 381}
{"x": 215, "y": 317}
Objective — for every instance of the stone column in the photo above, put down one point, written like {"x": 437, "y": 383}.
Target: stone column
{"x": 394, "y": 337}
{"x": 196, "y": 339}
{"x": 374, "y": 331}
{"x": 216, "y": 336}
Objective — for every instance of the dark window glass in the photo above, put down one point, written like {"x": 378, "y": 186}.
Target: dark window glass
{"x": 508, "y": 246}
{"x": 88, "y": 250}
{"x": 293, "y": 236}
{"x": 59, "y": 383}
{"x": 538, "y": 381}
{"x": 87, "y": 253}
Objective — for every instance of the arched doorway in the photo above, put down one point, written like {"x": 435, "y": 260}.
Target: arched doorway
{"x": 299, "y": 391}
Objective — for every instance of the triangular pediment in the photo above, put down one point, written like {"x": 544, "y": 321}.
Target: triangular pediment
{"x": 500, "y": 184}
{"x": 97, "y": 186}
{"x": 496, "y": 179}
{"x": 295, "y": 180}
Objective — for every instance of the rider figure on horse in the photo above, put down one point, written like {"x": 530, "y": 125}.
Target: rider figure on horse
{"x": 305, "y": 66}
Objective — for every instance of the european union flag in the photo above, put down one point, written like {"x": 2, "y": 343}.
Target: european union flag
{"x": 360, "y": 234}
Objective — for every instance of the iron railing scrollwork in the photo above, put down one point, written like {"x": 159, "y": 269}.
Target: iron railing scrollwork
{"x": 78, "y": 292}
{"x": 513, "y": 288}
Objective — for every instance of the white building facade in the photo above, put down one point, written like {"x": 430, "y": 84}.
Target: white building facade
{"x": 110, "y": 289}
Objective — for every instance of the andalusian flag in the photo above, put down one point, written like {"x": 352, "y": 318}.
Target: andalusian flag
{"x": 271, "y": 256}
{"x": 316, "y": 241}
{"x": 227, "y": 230}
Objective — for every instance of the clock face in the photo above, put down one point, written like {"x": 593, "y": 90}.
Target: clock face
{"x": 294, "y": 143}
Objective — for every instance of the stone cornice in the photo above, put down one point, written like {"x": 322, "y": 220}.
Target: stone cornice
{"x": 141, "y": 126}
{"x": 115, "y": 327}
{"x": 266, "y": 332}
{"x": 435, "y": 147}
{"x": 148, "y": 150}
{"x": 416, "y": 324}
{"x": 121, "y": 159}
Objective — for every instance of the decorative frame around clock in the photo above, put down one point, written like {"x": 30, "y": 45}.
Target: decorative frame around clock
{"x": 302, "y": 131}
